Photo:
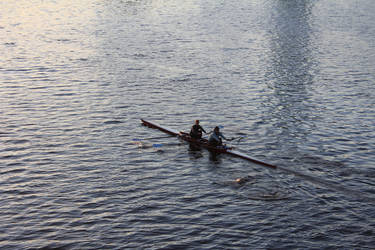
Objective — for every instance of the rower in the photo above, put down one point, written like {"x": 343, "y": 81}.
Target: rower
{"x": 196, "y": 131}
{"x": 215, "y": 138}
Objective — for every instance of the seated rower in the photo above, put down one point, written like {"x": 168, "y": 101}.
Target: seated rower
{"x": 215, "y": 138}
{"x": 196, "y": 131}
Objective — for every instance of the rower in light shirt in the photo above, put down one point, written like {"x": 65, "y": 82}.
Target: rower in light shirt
{"x": 216, "y": 138}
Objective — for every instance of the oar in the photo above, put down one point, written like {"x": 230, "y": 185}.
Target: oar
{"x": 230, "y": 139}
{"x": 235, "y": 138}
{"x": 220, "y": 126}
{"x": 154, "y": 145}
{"x": 147, "y": 145}
{"x": 151, "y": 138}
{"x": 159, "y": 145}
{"x": 239, "y": 138}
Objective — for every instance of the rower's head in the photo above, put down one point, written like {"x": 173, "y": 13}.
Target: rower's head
{"x": 216, "y": 129}
{"x": 197, "y": 122}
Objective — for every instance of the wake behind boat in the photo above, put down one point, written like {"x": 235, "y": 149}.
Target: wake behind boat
{"x": 204, "y": 143}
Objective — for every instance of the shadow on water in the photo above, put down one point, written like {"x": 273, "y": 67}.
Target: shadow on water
{"x": 194, "y": 148}
{"x": 195, "y": 151}
{"x": 215, "y": 157}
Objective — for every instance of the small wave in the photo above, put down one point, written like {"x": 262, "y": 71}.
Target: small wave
{"x": 10, "y": 44}
{"x": 123, "y": 107}
{"x": 63, "y": 40}
{"x": 112, "y": 122}
{"x": 19, "y": 70}
{"x": 13, "y": 156}
{"x": 65, "y": 94}
{"x": 134, "y": 69}
{"x": 316, "y": 160}
{"x": 13, "y": 171}
{"x": 235, "y": 49}
{"x": 40, "y": 87}
{"x": 4, "y": 133}
{"x": 14, "y": 149}
{"x": 139, "y": 55}
{"x": 20, "y": 141}
{"x": 267, "y": 196}
{"x": 81, "y": 146}
{"x": 182, "y": 80}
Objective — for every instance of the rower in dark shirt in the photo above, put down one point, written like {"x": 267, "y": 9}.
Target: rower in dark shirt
{"x": 196, "y": 130}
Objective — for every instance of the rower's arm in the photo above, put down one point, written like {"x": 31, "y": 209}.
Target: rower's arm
{"x": 223, "y": 136}
{"x": 203, "y": 130}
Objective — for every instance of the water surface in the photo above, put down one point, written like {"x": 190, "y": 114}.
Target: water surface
{"x": 295, "y": 77}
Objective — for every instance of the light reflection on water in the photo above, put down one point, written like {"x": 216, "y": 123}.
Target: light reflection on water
{"x": 294, "y": 76}
{"x": 290, "y": 75}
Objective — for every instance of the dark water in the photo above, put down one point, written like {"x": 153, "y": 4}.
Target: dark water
{"x": 296, "y": 77}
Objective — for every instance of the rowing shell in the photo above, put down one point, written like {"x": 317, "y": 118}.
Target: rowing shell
{"x": 204, "y": 143}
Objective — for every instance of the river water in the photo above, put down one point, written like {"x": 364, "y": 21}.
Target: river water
{"x": 296, "y": 77}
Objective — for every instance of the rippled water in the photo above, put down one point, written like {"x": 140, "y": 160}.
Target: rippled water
{"x": 296, "y": 77}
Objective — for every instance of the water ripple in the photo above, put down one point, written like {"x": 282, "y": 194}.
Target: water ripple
{"x": 296, "y": 78}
